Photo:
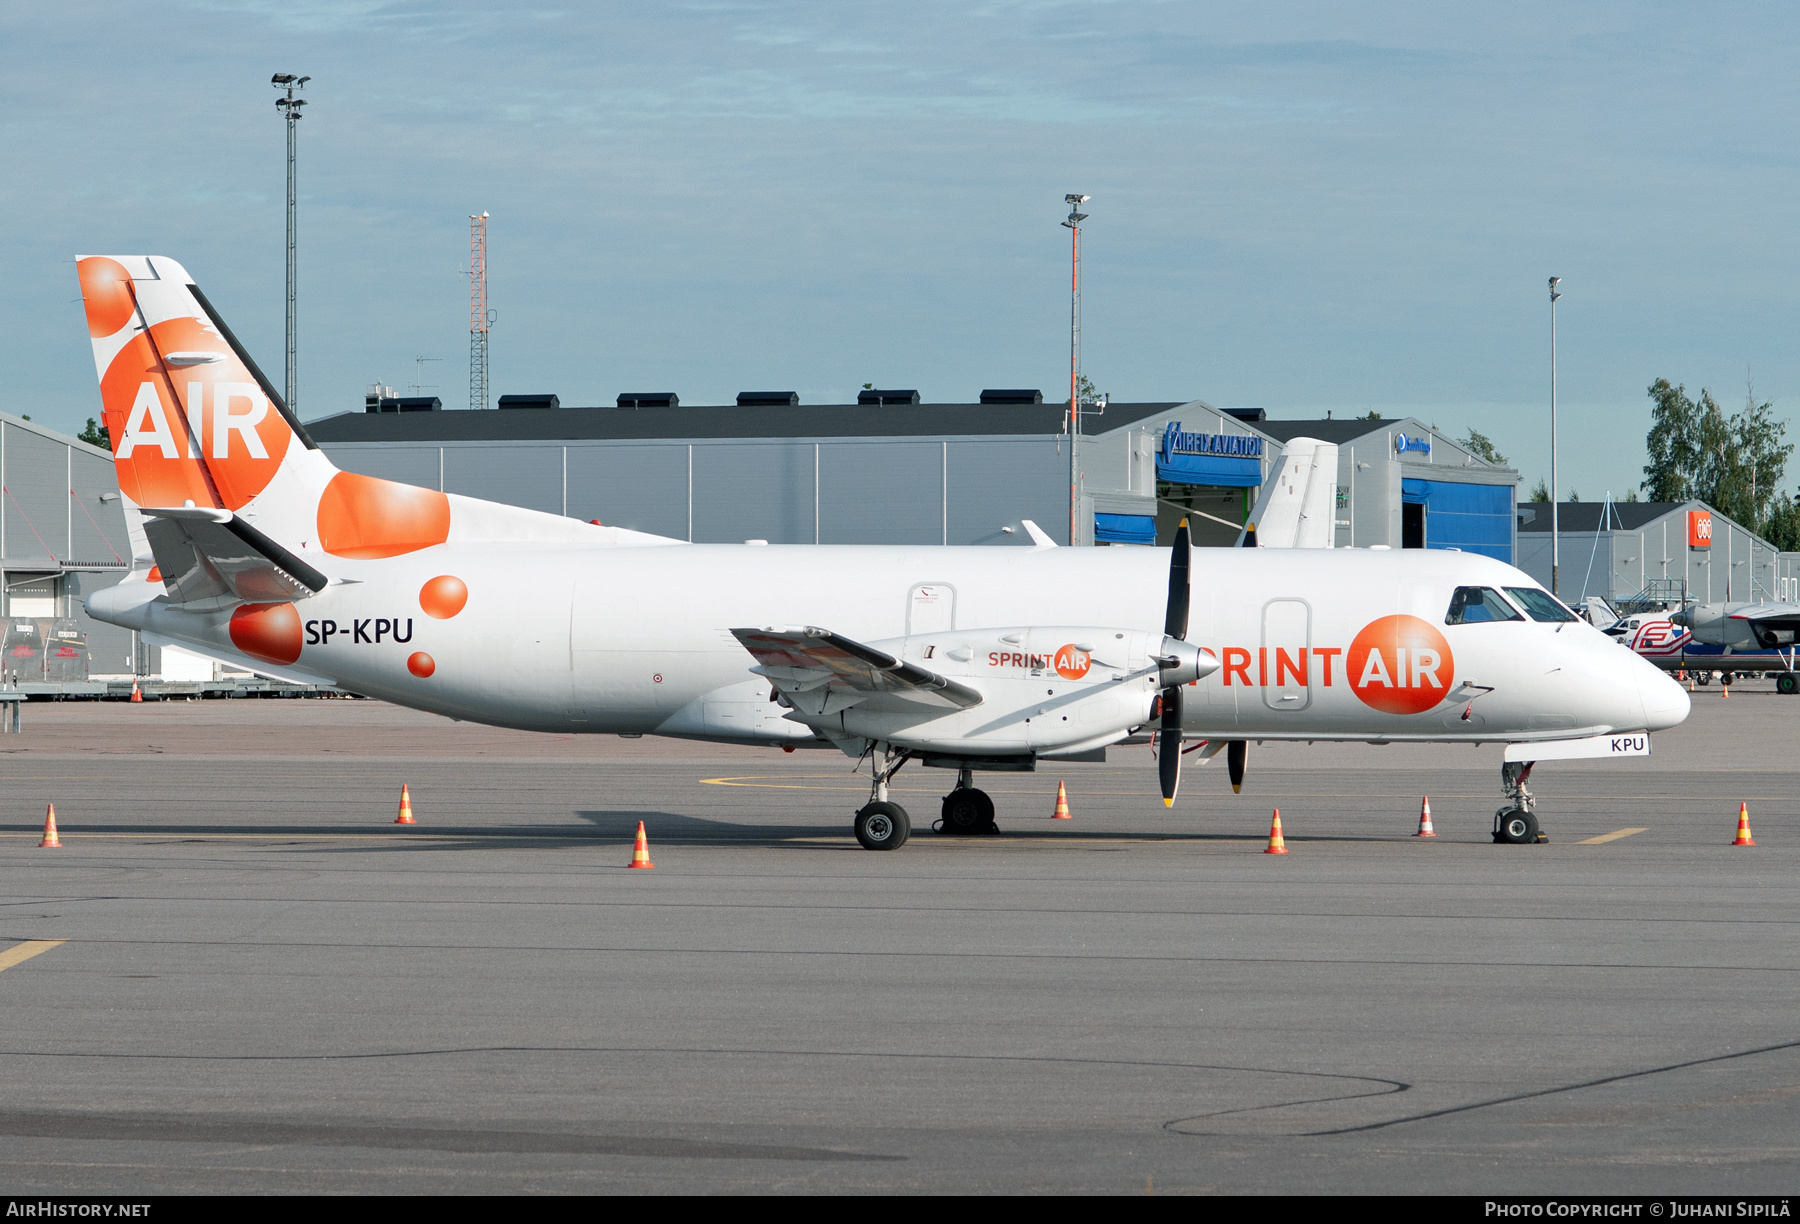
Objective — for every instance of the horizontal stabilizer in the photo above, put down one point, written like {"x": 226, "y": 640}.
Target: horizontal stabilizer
{"x": 214, "y": 557}
{"x": 823, "y": 672}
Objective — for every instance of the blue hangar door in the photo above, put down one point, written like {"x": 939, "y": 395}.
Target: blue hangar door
{"x": 1475, "y": 518}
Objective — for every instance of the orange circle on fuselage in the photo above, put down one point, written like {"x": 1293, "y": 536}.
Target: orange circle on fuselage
{"x": 1400, "y": 665}
{"x": 270, "y": 632}
{"x": 443, "y": 597}
{"x": 1072, "y": 662}
{"x": 421, "y": 664}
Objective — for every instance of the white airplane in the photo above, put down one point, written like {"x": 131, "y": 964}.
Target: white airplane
{"x": 250, "y": 547}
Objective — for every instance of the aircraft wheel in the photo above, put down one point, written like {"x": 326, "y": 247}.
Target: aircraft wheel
{"x": 1726, "y": 678}
{"x": 1703, "y": 678}
{"x": 1515, "y": 827}
{"x": 882, "y": 826}
{"x": 1787, "y": 684}
{"x": 966, "y": 812}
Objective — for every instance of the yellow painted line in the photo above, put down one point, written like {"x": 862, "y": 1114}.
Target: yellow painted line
{"x": 25, "y": 951}
{"x": 1615, "y": 835}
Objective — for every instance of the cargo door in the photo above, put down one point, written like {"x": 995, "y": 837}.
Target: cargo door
{"x": 1283, "y": 663}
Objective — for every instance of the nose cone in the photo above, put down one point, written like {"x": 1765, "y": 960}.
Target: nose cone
{"x": 1665, "y": 703}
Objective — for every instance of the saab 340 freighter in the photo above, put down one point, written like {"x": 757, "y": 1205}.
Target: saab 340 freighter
{"x": 250, "y": 547}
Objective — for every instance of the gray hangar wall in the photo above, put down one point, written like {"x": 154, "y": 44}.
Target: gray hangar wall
{"x": 903, "y": 490}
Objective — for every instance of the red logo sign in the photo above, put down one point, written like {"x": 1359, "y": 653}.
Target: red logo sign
{"x": 1400, "y": 665}
{"x": 1072, "y": 662}
{"x": 1699, "y": 529}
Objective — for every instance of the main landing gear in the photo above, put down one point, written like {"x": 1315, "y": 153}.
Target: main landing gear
{"x": 967, "y": 811}
{"x": 1517, "y": 823}
{"x": 879, "y": 824}
{"x": 882, "y": 824}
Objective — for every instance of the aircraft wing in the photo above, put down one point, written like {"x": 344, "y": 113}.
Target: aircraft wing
{"x": 213, "y": 555}
{"x": 821, "y": 672}
{"x": 1768, "y": 612}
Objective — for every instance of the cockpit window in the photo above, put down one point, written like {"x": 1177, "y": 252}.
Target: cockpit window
{"x": 1472, "y": 604}
{"x": 1542, "y": 605}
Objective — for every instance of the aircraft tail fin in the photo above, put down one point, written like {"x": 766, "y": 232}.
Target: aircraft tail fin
{"x": 193, "y": 421}
{"x": 1298, "y": 504}
{"x": 196, "y": 426}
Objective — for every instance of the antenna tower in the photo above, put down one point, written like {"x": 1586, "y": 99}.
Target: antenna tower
{"x": 480, "y": 317}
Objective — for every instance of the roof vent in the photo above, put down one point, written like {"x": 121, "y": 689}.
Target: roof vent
{"x": 1247, "y": 414}
{"x": 405, "y": 403}
{"x": 649, "y": 399}
{"x": 881, "y": 399}
{"x": 786, "y": 399}
{"x": 530, "y": 401}
{"x": 1012, "y": 397}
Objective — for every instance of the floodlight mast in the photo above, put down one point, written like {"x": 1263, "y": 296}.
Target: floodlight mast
{"x": 290, "y": 106}
{"x": 1073, "y": 224}
{"x": 1555, "y": 541}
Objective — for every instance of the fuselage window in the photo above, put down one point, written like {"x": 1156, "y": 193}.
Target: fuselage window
{"x": 1542, "y": 605}
{"x": 1472, "y": 604}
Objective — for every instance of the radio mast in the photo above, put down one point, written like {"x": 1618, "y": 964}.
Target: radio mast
{"x": 480, "y": 317}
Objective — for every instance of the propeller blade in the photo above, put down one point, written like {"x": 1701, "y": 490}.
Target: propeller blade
{"x": 1168, "y": 746}
{"x": 1175, "y": 622}
{"x": 1235, "y": 752}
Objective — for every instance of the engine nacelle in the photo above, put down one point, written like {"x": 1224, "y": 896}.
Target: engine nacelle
{"x": 1183, "y": 662}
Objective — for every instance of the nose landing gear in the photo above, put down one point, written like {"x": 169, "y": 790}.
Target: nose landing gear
{"x": 1517, "y": 823}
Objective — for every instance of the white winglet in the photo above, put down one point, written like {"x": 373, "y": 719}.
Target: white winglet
{"x": 1038, "y": 536}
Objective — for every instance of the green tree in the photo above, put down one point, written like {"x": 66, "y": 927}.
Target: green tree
{"x": 1540, "y": 492}
{"x": 1733, "y": 463}
{"x": 1782, "y": 529}
{"x": 1672, "y": 445}
{"x": 1370, "y": 415}
{"x": 1479, "y": 445}
{"x": 95, "y": 435}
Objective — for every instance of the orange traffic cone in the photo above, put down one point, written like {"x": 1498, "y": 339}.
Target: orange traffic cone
{"x": 640, "y": 854}
{"x": 1743, "y": 827}
{"x": 1062, "y": 803}
{"x": 50, "y": 838}
{"x": 1690, "y": 684}
{"x": 1682, "y": 674}
{"x": 405, "y": 816}
{"x": 137, "y": 694}
{"x": 1425, "y": 829}
{"x": 1724, "y": 690}
{"x": 1276, "y": 844}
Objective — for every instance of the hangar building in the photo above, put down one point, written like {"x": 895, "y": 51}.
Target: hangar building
{"x": 1617, "y": 550}
{"x": 62, "y": 535}
{"x": 891, "y": 470}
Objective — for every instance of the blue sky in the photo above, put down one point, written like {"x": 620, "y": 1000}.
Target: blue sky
{"x": 1297, "y": 206}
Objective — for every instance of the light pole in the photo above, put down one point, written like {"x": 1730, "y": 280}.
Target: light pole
{"x": 290, "y": 106}
{"x": 1074, "y": 227}
{"x": 1555, "y": 538}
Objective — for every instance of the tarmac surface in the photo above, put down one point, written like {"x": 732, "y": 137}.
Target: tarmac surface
{"x": 265, "y": 985}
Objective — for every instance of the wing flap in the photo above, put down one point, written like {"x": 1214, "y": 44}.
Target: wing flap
{"x": 816, "y": 667}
